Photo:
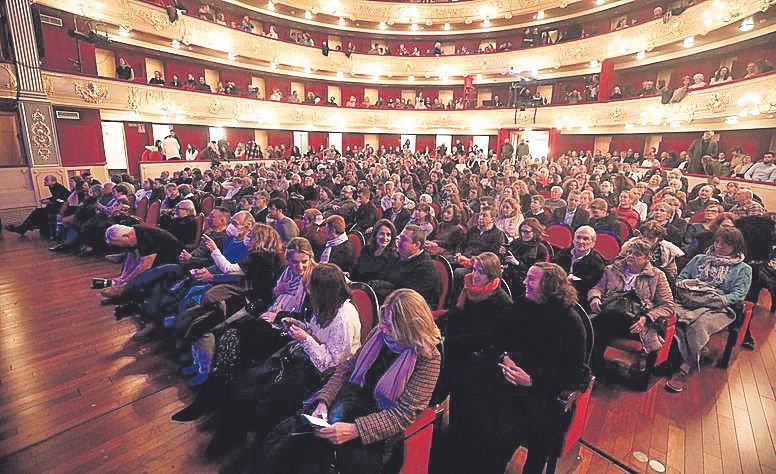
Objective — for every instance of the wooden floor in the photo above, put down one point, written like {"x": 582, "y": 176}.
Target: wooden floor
{"x": 77, "y": 395}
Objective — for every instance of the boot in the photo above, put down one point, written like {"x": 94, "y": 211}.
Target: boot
{"x": 205, "y": 360}
{"x": 206, "y": 401}
{"x": 194, "y": 367}
{"x": 20, "y": 229}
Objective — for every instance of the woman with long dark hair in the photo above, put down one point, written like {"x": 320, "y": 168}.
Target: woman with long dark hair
{"x": 379, "y": 255}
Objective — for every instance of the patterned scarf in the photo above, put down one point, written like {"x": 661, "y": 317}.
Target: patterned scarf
{"x": 392, "y": 383}
{"x": 714, "y": 268}
{"x": 476, "y": 293}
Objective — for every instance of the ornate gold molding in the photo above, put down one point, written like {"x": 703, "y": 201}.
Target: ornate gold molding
{"x": 144, "y": 18}
{"x": 92, "y": 92}
{"x": 133, "y": 102}
{"x": 41, "y": 135}
{"x": 7, "y": 77}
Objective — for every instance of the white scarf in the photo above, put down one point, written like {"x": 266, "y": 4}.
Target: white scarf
{"x": 331, "y": 243}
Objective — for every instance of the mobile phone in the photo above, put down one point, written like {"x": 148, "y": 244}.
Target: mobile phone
{"x": 313, "y": 421}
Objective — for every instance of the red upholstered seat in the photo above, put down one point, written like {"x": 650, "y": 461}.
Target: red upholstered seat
{"x": 417, "y": 443}
{"x": 152, "y": 216}
{"x": 208, "y": 202}
{"x": 607, "y": 245}
{"x": 141, "y": 208}
{"x": 365, "y": 301}
{"x": 625, "y": 231}
{"x": 358, "y": 241}
{"x": 446, "y": 278}
{"x": 736, "y": 332}
{"x": 559, "y": 235}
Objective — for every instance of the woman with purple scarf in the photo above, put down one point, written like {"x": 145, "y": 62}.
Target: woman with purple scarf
{"x": 369, "y": 401}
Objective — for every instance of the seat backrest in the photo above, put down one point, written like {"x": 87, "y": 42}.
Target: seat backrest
{"x": 358, "y": 241}
{"x": 141, "y": 209}
{"x": 365, "y": 301}
{"x": 625, "y": 231}
{"x": 506, "y": 287}
{"x": 607, "y": 245}
{"x": 698, "y": 217}
{"x": 200, "y": 224}
{"x": 208, "y": 202}
{"x": 299, "y": 224}
{"x": 588, "y": 324}
{"x": 559, "y": 235}
{"x": 550, "y": 251}
{"x": 152, "y": 216}
{"x": 379, "y": 212}
{"x": 445, "y": 272}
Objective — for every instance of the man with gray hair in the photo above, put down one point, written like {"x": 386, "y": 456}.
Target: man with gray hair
{"x": 148, "y": 247}
{"x": 584, "y": 265}
{"x": 746, "y": 205}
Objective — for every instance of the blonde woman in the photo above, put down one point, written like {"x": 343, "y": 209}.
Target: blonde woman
{"x": 380, "y": 406}
{"x": 509, "y": 218}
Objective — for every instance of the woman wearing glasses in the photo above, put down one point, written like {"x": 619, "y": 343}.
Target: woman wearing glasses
{"x": 524, "y": 252}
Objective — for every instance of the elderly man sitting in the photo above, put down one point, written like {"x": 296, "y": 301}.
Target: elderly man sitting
{"x": 584, "y": 265}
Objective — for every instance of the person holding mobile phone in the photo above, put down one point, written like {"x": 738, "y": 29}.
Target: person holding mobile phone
{"x": 369, "y": 401}
{"x": 543, "y": 346}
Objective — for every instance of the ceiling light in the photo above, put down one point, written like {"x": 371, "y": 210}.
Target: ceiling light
{"x": 747, "y": 25}
{"x": 629, "y": 126}
{"x": 600, "y": 2}
{"x": 732, "y": 120}
{"x": 414, "y": 27}
{"x": 175, "y": 44}
{"x": 376, "y": 77}
{"x": 486, "y": 23}
{"x": 270, "y": 6}
{"x": 446, "y": 27}
{"x": 124, "y": 31}
{"x": 411, "y": 77}
{"x": 273, "y": 65}
{"x": 594, "y": 64}
{"x": 308, "y": 15}
{"x": 341, "y": 22}
{"x": 307, "y": 69}
{"x": 675, "y": 124}
{"x": 689, "y": 42}
{"x": 382, "y": 25}
{"x": 641, "y": 55}
{"x": 540, "y": 15}
{"x": 231, "y": 56}
{"x": 479, "y": 77}
{"x": 429, "y": 23}
{"x": 340, "y": 75}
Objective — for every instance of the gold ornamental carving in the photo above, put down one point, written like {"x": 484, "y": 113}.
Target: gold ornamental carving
{"x": 617, "y": 113}
{"x": 40, "y": 135}
{"x": 134, "y": 99}
{"x": 159, "y": 21}
{"x": 10, "y": 81}
{"x": 215, "y": 107}
{"x": 718, "y": 102}
{"x": 48, "y": 85}
{"x": 92, "y": 92}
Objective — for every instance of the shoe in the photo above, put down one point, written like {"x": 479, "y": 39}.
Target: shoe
{"x": 198, "y": 379}
{"x": 205, "y": 401}
{"x": 115, "y": 257}
{"x": 60, "y": 248}
{"x": 144, "y": 333}
{"x": 190, "y": 370}
{"x": 85, "y": 251}
{"x": 749, "y": 343}
{"x": 18, "y": 229}
{"x": 678, "y": 382}
{"x": 125, "y": 310}
{"x": 113, "y": 291}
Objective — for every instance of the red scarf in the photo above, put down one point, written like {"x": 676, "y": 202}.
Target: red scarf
{"x": 476, "y": 293}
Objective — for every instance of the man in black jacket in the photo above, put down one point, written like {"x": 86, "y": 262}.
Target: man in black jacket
{"x": 41, "y": 217}
{"x": 572, "y": 215}
{"x": 397, "y": 214}
{"x": 415, "y": 270}
{"x": 601, "y": 219}
{"x": 339, "y": 249}
{"x": 486, "y": 237}
{"x": 584, "y": 265}
{"x": 366, "y": 212}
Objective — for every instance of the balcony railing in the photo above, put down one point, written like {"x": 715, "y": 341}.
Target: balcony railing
{"x": 225, "y": 43}
{"x": 750, "y": 102}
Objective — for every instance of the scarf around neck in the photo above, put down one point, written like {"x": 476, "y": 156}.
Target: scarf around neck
{"x": 476, "y": 293}
{"x": 714, "y": 268}
{"x": 331, "y": 243}
{"x": 393, "y": 381}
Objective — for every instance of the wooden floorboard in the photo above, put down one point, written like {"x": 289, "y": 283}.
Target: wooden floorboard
{"x": 78, "y": 395}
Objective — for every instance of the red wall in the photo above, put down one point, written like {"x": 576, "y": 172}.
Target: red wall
{"x": 198, "y": 135}
{"x": 239, "y": 135}
{"x": 423, "y": 141}
{"x": 61, "y": 47}
{"x": 386, "y": 140}
{"x": 136, "y": 137}
{"x": 352, "y": 140}
{"x": 624, "y": 142}
{"x": 573, "y": 142}
{"x": 279, "y": 137}
{"x": 80, "y": 141}
{"x": 137, "y": 61}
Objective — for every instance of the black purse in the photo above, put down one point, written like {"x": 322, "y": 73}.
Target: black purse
{"x": 623, "y": 302}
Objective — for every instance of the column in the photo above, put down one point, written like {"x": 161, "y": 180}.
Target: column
{"x": 608, "y": 79}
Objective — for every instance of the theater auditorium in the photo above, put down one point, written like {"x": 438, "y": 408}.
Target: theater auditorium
{"x": 404, "y": 236}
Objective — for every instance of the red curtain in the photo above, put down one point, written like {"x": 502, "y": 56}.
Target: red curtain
{"x": 423, "y": 141}
{"x": 182, "y": 69}
{"x": 60, "y": 48}
{"x": 608, "y": 79}
{"x": 503, "y": 134}
{"x": 352, "y": 140}
{"x": 197, "y": 135}
{"x": 240, "y": 78}
{"x": 753, "y": 142}
{"x": 625, "y": 142}
{"x": 387, "y": 140}
{"x": 240, "y": 135}
{"x": 493, "y": 143}
{"x": 136, "y": 137}
{"x": 137, "y": 61}
{"x": 676, "y": 142}
{"x": 80, "y": 141}
{"x": 279, "y": 137}
{"x": 316, "y": 139}
{"x": 318, "y": 88}
{"x": 354, "y": 90}
{"x": 281, "y": 83}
